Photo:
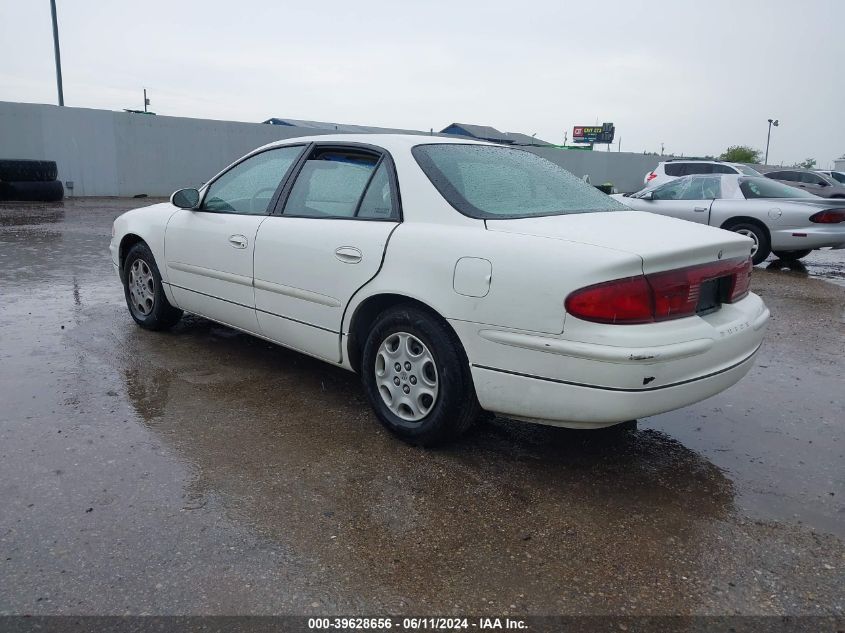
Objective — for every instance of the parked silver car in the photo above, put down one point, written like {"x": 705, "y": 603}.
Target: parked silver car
{"x": 838, "y": 176}
{"x": 812, "y": 181}
{"x": 784, "y": 220}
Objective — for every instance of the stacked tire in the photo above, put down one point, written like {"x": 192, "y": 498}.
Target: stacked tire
{"x": 30, "y": 180}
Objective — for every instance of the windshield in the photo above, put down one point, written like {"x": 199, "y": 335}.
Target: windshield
{"x": 748, "y": 171}
{"x": 768, "y": 188}
{"x": 484, "y": 181}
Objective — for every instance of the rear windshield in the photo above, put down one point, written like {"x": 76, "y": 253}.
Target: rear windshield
{"x": 767, "y": 188}
{"x": 484, "y": 181}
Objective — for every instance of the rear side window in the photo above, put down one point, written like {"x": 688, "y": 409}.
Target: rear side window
{"x": 378, "y": 199}
{"x": 838, "y": 176}
{"x": 484, "y": 181}
{"x": 766, "y": 188}
{"x": 748, "y": 171}
{"x": 674, "y": 169}
{"x": 723, "y": 169}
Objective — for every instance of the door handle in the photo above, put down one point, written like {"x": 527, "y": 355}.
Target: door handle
{"x": 699, "y": 209}
{"x": 348, "y": 254}
{"x": 238, "y": 241}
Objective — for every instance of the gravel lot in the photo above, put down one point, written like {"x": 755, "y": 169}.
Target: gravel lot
{"x": 203, "y": 471}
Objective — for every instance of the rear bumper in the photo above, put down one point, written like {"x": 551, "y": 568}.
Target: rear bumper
{"x": 573, "y": 405}
{"x": 809, "y": 237}
{"x": 595, "y": 375}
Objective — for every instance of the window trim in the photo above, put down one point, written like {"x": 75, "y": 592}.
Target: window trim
{"x": 384, "y": 157}
{"x": 270, "y": 205}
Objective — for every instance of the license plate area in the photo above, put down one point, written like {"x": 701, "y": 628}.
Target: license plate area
{"x": 711, "y": 293}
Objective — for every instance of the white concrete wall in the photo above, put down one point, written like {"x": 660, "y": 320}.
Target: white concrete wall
{"x": 109, "y": 153}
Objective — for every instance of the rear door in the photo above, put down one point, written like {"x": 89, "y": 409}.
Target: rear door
{"x": 209, "y": 250}
{"x": 325, "y": 240}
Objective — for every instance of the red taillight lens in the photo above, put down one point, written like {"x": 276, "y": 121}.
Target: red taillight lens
{"x": 673, "y": 294}
{"x": 626, "y": 300}
{"x": 831, "y": 216}
{"x": 651, "y": 177}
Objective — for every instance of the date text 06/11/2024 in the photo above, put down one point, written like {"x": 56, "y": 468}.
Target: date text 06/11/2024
{"x": 416, "y": 624}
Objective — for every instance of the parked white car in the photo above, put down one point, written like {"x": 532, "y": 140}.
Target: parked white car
{"x": 784, "y": 220}
{"x": 668, "y": 170}
{"x": 453, "y": 276}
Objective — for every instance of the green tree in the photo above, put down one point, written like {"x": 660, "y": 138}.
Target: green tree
{"x": 807, "y": 163}
{"x": 741, "y": 154}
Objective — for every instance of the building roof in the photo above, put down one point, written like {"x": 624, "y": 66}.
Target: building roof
{"x": 489, "y": 133}
{"x": 339, "y": 127}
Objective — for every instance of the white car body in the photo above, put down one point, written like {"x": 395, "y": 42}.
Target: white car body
{"x": 786, "y": 220}
{"x": 667, "y": 171}
{"x": 306, "y": 283}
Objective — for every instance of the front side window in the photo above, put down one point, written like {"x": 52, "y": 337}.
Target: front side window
{"x": 703, "y": 189}
{"x": 782, "y": 175}
{"x": 332, "y": 183}
{"x": 766, "y": 188}
{"x": 699, "y": 168}
{"x": 812, "y": 179}
{"x": 490, "y": 182}
{"x": 249, "y": 186}
{"x": 671, "y": 190}
{"x": 838, "y": 176}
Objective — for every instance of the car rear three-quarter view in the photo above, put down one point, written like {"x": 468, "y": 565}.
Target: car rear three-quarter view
{"x": 454, "y": 277}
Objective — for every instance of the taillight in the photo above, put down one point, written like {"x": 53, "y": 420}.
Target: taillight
{"x": 650, "y": 177}
{"x": 673, "y": 294}
{"x": 831, "y": 216}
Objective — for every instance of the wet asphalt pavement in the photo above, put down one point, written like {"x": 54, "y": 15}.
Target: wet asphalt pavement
{"x": 202, "y": 471}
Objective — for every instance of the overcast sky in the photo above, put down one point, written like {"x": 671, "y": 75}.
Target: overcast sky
{"x": 696, "y": 75}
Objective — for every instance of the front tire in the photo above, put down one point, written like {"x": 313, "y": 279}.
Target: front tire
{"x": 791, "y": 256}
{"x": 762, "y": 246}
{"x": 144, "y": 293}
{"x": 417, "y": 377}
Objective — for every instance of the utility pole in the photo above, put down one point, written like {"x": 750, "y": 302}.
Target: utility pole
{"x": 146, "y": 101}
{"x": 769, "y": 138}
{"x": 58, "y": 54}
{"x": 661, "y": 149}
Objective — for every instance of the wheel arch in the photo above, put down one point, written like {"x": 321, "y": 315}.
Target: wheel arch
{"x": 365, "y": 313}
{"x": 744, "y": 219}
{"x": 126, "y": 243}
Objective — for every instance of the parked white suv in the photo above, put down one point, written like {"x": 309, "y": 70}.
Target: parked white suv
{"x": 671, "y": 169}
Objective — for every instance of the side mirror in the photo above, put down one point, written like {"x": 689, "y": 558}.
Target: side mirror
{"x": 648, "y": 195}
{"x": 185, "y": 198}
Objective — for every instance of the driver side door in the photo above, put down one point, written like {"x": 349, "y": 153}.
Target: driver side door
{"x": 209, "y": 250}
{"x": 686, "y": 198}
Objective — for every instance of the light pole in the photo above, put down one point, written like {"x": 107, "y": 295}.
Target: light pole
{"x": 769, "y": 138}
{"x": 58, "y": 54}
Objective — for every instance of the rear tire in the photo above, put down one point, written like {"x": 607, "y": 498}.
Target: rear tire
{"x": 144, "y": 293}
{"x": 762, "y": 246}
{"x": 430, "y": 399}
{"x": 791, "y": 256}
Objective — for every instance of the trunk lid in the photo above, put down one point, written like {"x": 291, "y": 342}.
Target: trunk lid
{"x": 661, "y": 242}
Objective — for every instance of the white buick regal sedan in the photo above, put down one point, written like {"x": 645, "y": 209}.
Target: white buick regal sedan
{"x": 454, "y": 277}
